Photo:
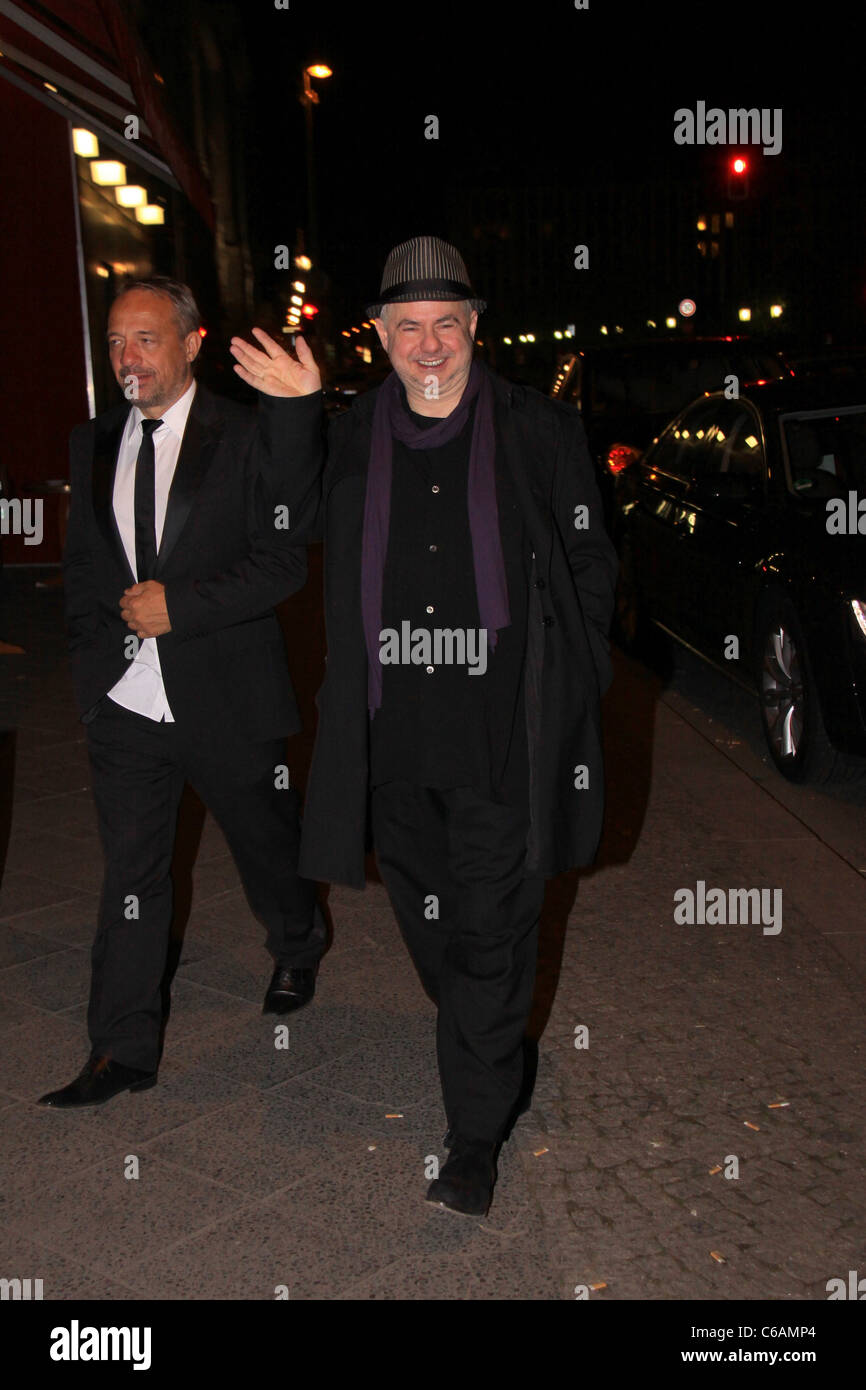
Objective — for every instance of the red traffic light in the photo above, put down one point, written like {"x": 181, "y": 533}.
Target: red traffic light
{"x": 309, "y": 311}
{"x": 738, "y": 177}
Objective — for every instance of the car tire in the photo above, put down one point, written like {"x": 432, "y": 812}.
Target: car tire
{"x": 788, "y": 697}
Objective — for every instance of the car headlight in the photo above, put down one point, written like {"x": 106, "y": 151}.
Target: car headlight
{"x": 859, "y": 608}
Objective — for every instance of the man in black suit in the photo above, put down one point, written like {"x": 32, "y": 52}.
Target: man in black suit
{"x": 187, "y": 525}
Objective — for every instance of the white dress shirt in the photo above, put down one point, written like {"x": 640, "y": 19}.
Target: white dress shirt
{"x": 141, "y": 688}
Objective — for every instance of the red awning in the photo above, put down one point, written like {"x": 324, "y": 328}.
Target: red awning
{"x": 84, "y": 59}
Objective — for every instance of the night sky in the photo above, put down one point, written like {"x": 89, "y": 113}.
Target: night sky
{"x": 525, "y": 93}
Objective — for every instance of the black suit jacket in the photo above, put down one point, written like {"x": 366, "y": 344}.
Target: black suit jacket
{"x": 224, "y": 557}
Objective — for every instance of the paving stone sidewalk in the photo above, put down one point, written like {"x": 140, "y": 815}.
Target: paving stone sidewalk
{"x": 304, "y": 1167}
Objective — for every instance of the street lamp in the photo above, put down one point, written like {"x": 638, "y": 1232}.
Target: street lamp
{"x": 310, "y": 98}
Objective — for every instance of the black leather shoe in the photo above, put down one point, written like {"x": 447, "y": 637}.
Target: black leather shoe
{"x": 466, "y": 1182}
{"x": 290, "y": 988}
{"x": 100, "y": 1079}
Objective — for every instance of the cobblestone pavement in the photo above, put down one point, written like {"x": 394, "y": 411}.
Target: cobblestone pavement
{"x": 304, "y": 1167}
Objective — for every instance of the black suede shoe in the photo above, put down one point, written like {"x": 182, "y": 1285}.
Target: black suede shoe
{"x": 99, "y": 1080}
{"x": 466, "y": 1182}
{"x": 291, "y": 988}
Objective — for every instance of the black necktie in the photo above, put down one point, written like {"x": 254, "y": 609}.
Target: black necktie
{"x": 145, "y": 503}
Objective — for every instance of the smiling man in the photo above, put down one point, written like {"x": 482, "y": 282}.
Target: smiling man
{"x": 187, "y": 525}
{"x": 456, "y": 503}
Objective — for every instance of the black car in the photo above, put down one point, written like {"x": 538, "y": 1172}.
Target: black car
{"x": 627, "y": 392}
{"x": 742, "y": 532}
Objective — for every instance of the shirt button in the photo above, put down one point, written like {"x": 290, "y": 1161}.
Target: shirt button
{"x": 434, "y": 548}
{"x": 429, "y": 670}
{"x": 435, "y": 487}
{"x": 429, "y": 608}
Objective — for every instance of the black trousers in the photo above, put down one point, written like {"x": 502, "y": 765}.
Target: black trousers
{"x": 453, "y": 866}
{"x": 139, "y": 769}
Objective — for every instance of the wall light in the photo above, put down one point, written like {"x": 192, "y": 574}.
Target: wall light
{"x": 108, "y": 172}
{"x": 131, "y": 195}
{"x": 85, "y": 143}
{"x": 151, "y": 215}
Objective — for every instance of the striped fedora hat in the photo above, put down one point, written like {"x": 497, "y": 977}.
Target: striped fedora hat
{"x": 424, "y": 268}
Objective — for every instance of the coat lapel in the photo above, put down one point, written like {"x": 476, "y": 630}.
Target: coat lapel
{"x": 109, "y": 431}
{"x": 200, "y": 439}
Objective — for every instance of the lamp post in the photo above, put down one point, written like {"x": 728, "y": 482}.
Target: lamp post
{"x": 310, "y": 98}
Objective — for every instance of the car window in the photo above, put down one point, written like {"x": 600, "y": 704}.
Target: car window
{"x": 826, "y": 451}
{"x": 677, "y": 448}
{"x": 731, "y": 443}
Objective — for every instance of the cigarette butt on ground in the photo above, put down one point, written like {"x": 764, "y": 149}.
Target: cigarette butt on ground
{"x": 749, "y": 1125}
{"x": 719, "y": 1259}
{"x": 536, "y": 1153}
{"x": 717, "y": 1169}
{"x": 778, "y": 1104}
{"x": 395, "y": 1115}
{"x": 599, "y": 1285}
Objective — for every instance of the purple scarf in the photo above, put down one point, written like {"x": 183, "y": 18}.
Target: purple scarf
{"x": 390, "y": 421}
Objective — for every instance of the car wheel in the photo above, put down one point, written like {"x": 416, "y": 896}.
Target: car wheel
{"x": 790, "y": 710}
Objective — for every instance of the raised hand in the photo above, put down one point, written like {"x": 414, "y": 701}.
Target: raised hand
{"x": 272, "y": 371}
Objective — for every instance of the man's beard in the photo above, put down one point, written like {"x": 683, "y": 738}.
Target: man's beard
{"x": 151, "y": 391}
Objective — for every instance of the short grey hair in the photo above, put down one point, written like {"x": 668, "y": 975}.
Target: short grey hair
{"x": 186, "y": 313}
{"x": 383, "y": 312}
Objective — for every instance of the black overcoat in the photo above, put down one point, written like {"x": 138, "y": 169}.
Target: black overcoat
{"x": 571, "y": 596}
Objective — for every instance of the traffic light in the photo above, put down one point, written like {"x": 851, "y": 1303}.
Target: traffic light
{"x": 309, "y": 311}
{"x": 738, "y": 177}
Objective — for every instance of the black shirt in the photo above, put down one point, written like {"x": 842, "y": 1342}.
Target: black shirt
{"x": 438, "y": 725}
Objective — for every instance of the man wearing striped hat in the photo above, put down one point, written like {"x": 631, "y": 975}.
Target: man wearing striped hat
{"x": 469, "y": 592}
